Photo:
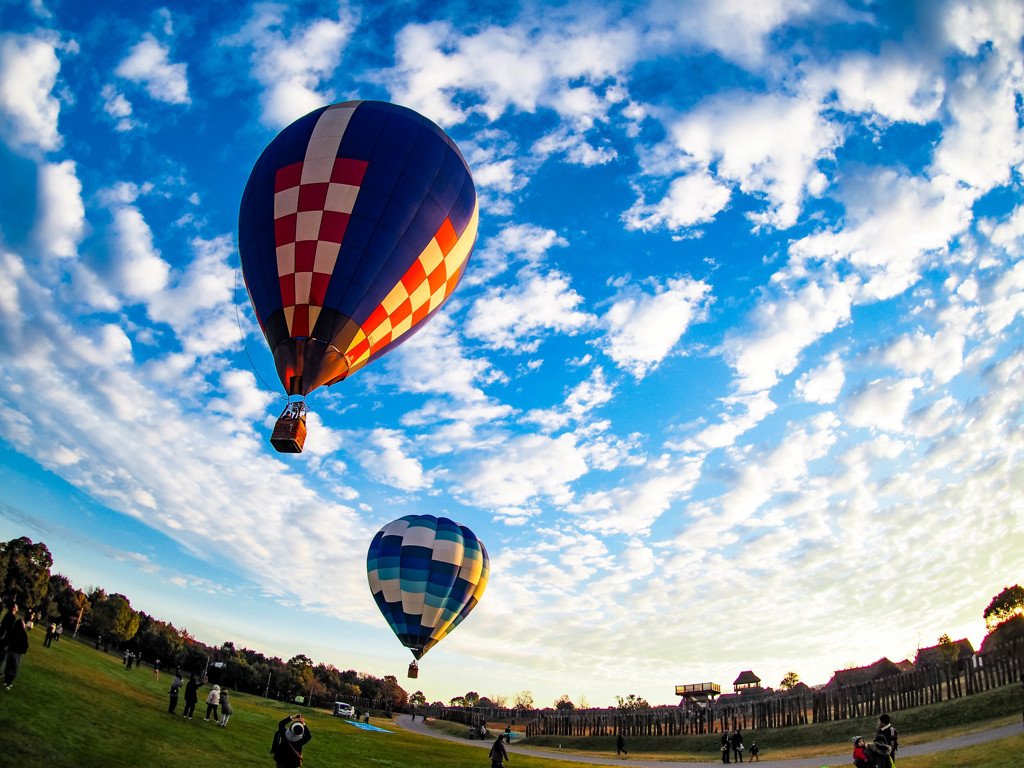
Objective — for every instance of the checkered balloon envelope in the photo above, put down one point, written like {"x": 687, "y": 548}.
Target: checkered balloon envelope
{"x": 355, "y": 226}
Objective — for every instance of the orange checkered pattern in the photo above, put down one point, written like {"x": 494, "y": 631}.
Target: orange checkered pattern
{"x": 425, "y": 286}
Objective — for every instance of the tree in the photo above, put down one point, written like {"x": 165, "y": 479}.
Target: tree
{"x": 25, "y": 571}
{"x": 418, "y": 699}
{"x": 472, "y": 699}
{"x": 632, "y": 702}
{"x": 948, "y": 650}
{"x": 499, "y": 700}
{"x": 584, "y": 702}
{"x": 1005, "y": 605}
{"x": 790, "y": 680}
{"x": 564, "y": 704}
{"x": 523, "y": 700}
{"x": 458, "y": 701}
{"x": 114, "y": 618}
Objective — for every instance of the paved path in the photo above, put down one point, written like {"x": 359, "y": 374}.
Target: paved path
{"x": 405, "y": 721}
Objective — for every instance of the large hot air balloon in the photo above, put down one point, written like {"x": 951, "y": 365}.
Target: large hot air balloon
{"x": 426, "y": 574}
{"x": 355, "y": 226}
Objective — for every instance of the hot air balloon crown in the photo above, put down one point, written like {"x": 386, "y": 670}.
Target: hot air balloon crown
{"x": 355, "y": 226}
{"x": 426, "y": 574}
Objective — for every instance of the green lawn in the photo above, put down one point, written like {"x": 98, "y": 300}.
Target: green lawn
{"x": 75, "y": 706}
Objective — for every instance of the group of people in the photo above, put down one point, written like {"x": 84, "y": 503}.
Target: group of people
{"x": 13, "y": 642}
{"x": 53, "y": 633}
{"x": 218, "y": 701}
{"x": 880, "y": 753}
{"x": 732, "y": 741}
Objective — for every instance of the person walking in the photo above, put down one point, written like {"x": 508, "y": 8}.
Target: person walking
{"x": 14, "y": 644}
{"x": 726, "y": 743}
{"x": 51, "y": 632}
{"x": 212, "y": 702}
{"x": 754, "y": 750}
{"x": 191, "y": 697}
{"x": 498, "y": 753}
{"x": 225, "y": 709}
{"x": 58, "y": 633}
{"x": 156, "y": 670}
{"x": 620, "y": 745}
{"x": 173, "y": 693}
{"x": 292, "y": 735}
{"x": 887, "y": 732}
{"x": 737, "y": 746}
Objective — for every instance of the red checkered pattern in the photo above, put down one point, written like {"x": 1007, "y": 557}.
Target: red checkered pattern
{"x": 312, "y": 203}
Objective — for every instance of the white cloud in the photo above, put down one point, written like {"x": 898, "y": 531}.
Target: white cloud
{"x": 580, "y": 401}
{"x": 118, "y": 107}
{"x": 695, "y": 198}
{"x": 526, "y": 467}
{"x": 61, "y": 224}
{"x": 138, "y": 271}
{"x": 386, "y": 459}
{"x": 515, "y": 67}
{"x": 824, "y": 383}
{"x": 882, "y": 404}
{"x": 294, "y": 64}
{"x": 782, "y": 328}
{"x": 895, "y": 85}
{"x": 28, "y": 108}
{"x": 515, "y": 318}
{"x": 148, "y": 64}
{"x": 642, "y": 329}
{"x": 767, "y": 145}
{"x": 514, "y": 244}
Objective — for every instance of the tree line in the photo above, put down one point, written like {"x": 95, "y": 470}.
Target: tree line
{"x": 109, "y": 620}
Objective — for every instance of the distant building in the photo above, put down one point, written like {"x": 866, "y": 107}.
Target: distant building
{"x": 934, "y": 656}
{"x": 746, "y": 681}
{"x": 880, "y": 669}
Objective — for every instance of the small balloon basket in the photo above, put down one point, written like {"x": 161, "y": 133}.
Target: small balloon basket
{"x": 290, "y": 430}
{"x": 414, "y": 670}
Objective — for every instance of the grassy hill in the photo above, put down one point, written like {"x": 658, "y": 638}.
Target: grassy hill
{"x": 75, "y": 706}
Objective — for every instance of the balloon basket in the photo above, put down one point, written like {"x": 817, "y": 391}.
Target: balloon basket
{"x": 290, "y": 430}
{"x": 414, "y": 670}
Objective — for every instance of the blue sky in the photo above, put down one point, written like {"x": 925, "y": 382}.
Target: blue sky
{"x": 732, "y": 380}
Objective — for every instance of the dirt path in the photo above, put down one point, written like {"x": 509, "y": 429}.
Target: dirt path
{"x": 405, "y": 721}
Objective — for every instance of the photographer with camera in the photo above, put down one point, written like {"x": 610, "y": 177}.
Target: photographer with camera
{"x": 292, "y": 734}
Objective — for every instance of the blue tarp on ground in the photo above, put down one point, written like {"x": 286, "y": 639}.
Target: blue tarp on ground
{"x": 367, "y": 726}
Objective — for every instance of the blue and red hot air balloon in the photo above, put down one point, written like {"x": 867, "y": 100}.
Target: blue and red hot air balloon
{"x": 426, "y": 574}
{"x": 356, "y": 224}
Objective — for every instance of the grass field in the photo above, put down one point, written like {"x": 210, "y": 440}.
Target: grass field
{"x": 74, "y": 706}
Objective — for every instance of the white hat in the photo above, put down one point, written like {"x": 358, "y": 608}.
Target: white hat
{"x": 295, "y": 731}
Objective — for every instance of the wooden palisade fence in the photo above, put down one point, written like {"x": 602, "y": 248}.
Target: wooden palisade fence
{"x": 913, "y": 688}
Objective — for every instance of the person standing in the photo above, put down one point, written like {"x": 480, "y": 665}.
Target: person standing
{"x": 225, "y": 709}
{"x": 498, "y": 753}
{"x": 737, "y": 746}
{"x": 888, "y": 733}
{"x": 156, "y": 670}
{"x": 620, "y": 745}
{"x": 292, "y": 735}
{"x": 58, "y": 633}
{"x": 212, "y": 702}
{"x": 51, "y": 632}
{"x": 173, "y": 693}
{"x": 15, "y": 645}
{"x": 754, "y": 749}
{"x": 191, "y": 697}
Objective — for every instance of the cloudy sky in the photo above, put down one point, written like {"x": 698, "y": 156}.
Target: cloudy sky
{"x": 732, "y": 380}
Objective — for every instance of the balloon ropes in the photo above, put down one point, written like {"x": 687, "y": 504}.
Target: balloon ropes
{"x": 426, "y": 573}
{"x": 355, "y": 226}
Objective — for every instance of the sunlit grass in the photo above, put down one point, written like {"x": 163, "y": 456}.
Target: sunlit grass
{"x": 75, "y": 706}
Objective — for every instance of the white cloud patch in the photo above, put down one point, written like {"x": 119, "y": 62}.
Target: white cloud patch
{"x": 293, "y": 62}
{"x": 118, "y": 107}
{"x": 824, "y": 383}
{"x": 695, "y": 198}
{"x": 28, "y": 109}
{"x": 882, "y": 404}
{"x": 148, "y": 64}
{"x": 515, "y": 318}
{"x": 642, "y": 329}
{"x": 61, "y": 224}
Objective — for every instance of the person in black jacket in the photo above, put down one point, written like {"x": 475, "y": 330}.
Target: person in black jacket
{"x": 14, "y": 643}
{"x": 737, "y": 746}
{"x": 887, "y": 733}
{"x": 191, "y": 697}
{"x": 292, "y": 735}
